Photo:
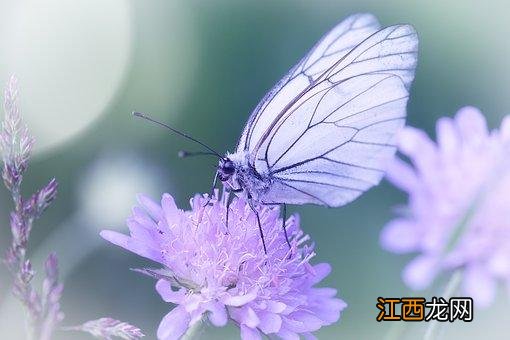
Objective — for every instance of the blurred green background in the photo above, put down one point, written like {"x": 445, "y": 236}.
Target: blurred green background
{"x": 202, "y": 66}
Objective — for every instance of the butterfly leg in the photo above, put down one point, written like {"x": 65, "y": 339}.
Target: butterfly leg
{"x": 229, "y": 200}
{"x": 283, "y": 224}
{"x": 215, "y": 180}
{"x": 285, "y": 228}
{"x": 250, "y": 202}
{"x": 284, "y": 209}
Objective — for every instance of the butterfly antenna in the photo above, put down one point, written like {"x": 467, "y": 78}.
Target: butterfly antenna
{"x": 185, "y": 154}
{"x": 185, "y": 135}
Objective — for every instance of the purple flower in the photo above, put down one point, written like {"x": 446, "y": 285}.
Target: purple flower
{"x": 15, "y": 141}
{"x": 458, "y": 214}
{"x": 51, "y": 294}
{"x": 43, "y": 309}
{"x": 219, "y": 274}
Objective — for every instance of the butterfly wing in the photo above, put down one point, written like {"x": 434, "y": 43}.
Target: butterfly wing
{"x": 324, "y": 132}
{"x": 327, "y": 51}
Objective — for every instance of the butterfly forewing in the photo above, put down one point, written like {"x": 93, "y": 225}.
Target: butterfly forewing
{"x": 331, "y": 48}
{"x": 336, "y": 44}
{"x": 324, "y": 134}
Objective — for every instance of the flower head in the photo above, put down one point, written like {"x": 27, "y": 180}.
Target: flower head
{"x": 15, "y": 140}
{"x": 43, "y": 309}
{"x": 458, "y": 214}
{"x": 223, "y": 274}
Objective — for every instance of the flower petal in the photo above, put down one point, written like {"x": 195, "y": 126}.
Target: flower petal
{"x": 321, "y": 271}
{"x": 400, "y": 236}
{"x": 418, "y": 147}
{"x": 447, "y": 136}
{"x": 324, "y": 292}
{"x": 480, "y": 285}
{"x": 419, "y": 273}
{"x": 150, "y": 206}
{"x": 269, "y": 322}
{"x": 132, "y": 245}
{"x": 218, "y": 313}
{"x": 401, "y": 174}
{"x": 499, "y": 264}
{"x": 164, "y": 288}
{"x": 302, "y": 321}
{"x": 287, "y": 335}
{"x": 275, "y": 306}
{"x": 174, "y": 324}
{"x": 328, "y": 310}
{"x": 413, "y": 142}
{"x": 142, "y": 233}
{"x": 309, "y": 336}
{"x": 471, "y": 124}
{"x": 238, "y": 300}
{"x": 170, "y": 210}
{"x": 245, "y": 315}
{"x": 248, "y": 333}
{"x": 504, "y": 130}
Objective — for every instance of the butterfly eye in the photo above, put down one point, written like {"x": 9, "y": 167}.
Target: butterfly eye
{"x": 228, "y": 167}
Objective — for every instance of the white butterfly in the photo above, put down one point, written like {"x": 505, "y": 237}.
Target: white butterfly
{"x": 323, "y": 133}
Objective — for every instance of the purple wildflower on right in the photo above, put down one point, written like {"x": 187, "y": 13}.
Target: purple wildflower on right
{"x": 458, "y": 213}
{"x": 211, "y": 272}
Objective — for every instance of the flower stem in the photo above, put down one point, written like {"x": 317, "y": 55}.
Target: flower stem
{"x": 453, "y": 284}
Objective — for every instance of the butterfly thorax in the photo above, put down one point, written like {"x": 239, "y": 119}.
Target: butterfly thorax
{"x": 235, "y": 171}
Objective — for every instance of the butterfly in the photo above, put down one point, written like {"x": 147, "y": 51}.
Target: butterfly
{"x": 323, "y": 133}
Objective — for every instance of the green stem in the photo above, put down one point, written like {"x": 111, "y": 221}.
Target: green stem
{"x": 453, "y": 284}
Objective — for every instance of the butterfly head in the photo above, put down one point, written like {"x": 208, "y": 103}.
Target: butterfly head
{"x": 226, "y": 168}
